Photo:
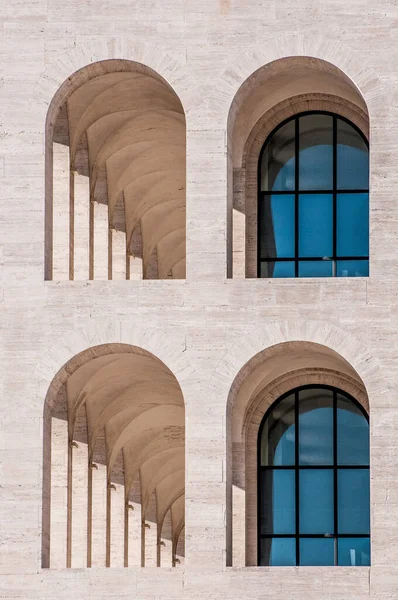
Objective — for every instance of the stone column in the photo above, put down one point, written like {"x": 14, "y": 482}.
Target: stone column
{"x": 150, "y": 534}
{"x": 61, "y": 210}
{"x": 206, "y": 203}
{"x": 59, "y": 492}
{"x": 165, "y": 541}
{"x": 205, "y": 538}
{"x": 118, "y": 254}
{"x": 79, "y": 495}
{"x": 134, "y": 525}
{"x": 100, "y": 241}
{"x": 98, "y": 512}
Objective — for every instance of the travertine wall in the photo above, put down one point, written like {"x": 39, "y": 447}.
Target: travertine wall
{"x": 205, "y": 329}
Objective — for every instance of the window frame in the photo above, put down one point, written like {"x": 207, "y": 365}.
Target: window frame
{"x": 297, "y": 192}
{"x": 335, "y": 467}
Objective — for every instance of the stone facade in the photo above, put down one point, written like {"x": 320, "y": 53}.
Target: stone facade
{"x": 212, "y": 330}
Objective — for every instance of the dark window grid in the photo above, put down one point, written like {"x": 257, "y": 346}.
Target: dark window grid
{"x": 312, "y": 258}
{"x": 297, "y": 467}
{"x": 296, "y": 192}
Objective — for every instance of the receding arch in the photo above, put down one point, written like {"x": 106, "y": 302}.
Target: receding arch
{"x": 114, "y": 439}
{"x": 271, "y": 94}
{"x": 115, "y": 132}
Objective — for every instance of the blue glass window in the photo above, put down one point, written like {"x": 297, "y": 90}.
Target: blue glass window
{"x": 315, "y": 268}
{"x": 316, "y": 552}
{"x": 313, "y": 205}
{"x": 353, "y": 224}
{"x": 279, "y": 506}
{"x": 353, "y": 434}
{"x": 278, "y": 552}
{"x": 316, "y": 225}
{"x": 277, "y": 226}
{"x": 316, "y": 152}
{"x": 314, "y": 500}
{"x": 353, "y": 501}
{"x": 352, "y": 158}
{"x": 354, "y": 552}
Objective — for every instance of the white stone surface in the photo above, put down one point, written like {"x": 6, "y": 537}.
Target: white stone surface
{"x": 205, "y": 328}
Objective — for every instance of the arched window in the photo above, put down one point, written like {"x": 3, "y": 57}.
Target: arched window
{"x": 313, "y": 204}
{"x": 313, "y": 478}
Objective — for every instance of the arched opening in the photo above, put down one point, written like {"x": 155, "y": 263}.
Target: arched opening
{"x": 115, "y": 176}
{"x": 313, "y": 199}
{"x": 114, "y": 462}
{"x": 269, "y": 97}
{"x": 268, "y": 376}
{"x": 313, "y": 480}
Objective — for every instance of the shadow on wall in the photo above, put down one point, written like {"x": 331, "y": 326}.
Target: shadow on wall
{"x": 115, "y": 176}
{"x": 114, "y": 462}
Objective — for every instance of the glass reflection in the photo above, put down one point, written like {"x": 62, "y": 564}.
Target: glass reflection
{"x": 316, "y": 552}
{"x": 314, "y": 481}
{"x": 352, "y": 224}
{"x": 313, "y": 199}
{"x": 352, "y": 434}
{"x": 278, "y": 269}
{"x": 278, "y": 436}
{"x": 315, "y": 225}
{"x": 316, "y": 501}
{"x": 352, "y": 268}
{"x": 316, "y": 268}
{"x": 279, "y": 508}
{"x": 316, "y": 152}
{"x": 278, "y": 552}
{"x": 352, "y": 158}
{"x": 278, "y": 163}
{"x": 353, "y": 501}
{"x": 354, "y": 552}
{"x": 316, "y": 427}
{"x": 277, "y": 227}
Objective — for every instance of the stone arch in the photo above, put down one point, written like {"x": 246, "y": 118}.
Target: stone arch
{"x": 359, "y": 86}
{"x": 313, "y": 352}
{"x": 143, "y": 219}
{"x": 87, "y": 352}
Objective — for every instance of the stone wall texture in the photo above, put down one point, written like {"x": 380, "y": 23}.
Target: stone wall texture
{"x": 207, "y": 327}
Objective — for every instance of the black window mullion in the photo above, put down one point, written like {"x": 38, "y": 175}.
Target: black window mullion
{"x": 296, "y": 194}
{"x": 297, "y": 536}
{"x": 296, "y": 474}
{"x": 335, "y": 477}
{"x": 334, "y": 268}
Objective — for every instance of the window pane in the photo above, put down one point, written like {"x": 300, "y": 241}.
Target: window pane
{"x": 278, "y": 435}
{"x": 317, "y": 552}
{"x": 352, "y": 268}
{"x": 352, "y": 158}
{"x": 352, "y": 224}
{"x": 277, "y": 167}
{"x": 277, "y": 511}
{"x": 277, "y": 269}
{"x": 354, "y": 552}
{"x": 316, "y": 268}
{"x": 278, "y": 552}
{"x": 316, "y": 501}
{"x": 315, "y": 225}
{"x": 277, "y": 230}
{"x": 353, "y": 500}
{"x": 352, "y": 433}
{"x": 316, "y": 152}
{"x": 315, "y": 427}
